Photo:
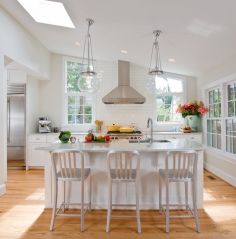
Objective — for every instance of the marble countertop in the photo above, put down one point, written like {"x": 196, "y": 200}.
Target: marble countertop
{"x": 173, "y": 145}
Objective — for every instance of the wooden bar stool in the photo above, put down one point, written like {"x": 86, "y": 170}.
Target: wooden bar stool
{"x": 123, "y": 166}
{"x": 68, "y": 166}
{"x": 180, "y": 167}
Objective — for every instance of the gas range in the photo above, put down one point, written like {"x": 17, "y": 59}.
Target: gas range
{"x": 133, "y": 136}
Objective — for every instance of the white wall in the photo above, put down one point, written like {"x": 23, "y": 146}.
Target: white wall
{"x": 22, "y": 47}
{"x": 215, "y": 162}
{"x": 3, "y": 131}
{"x": 18, "y": 44}
{"x": 32, "y": 104}
{"x": 51, "y": 99}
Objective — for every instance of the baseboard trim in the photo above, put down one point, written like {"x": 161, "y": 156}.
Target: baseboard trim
{"x": 220, "y": 173}
{"x": 2, "y": 189}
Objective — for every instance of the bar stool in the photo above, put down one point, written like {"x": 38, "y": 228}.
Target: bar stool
{"x": 123, "y": 166}
{"x": 180, "y": 167}
{"x": 68, "y": 166}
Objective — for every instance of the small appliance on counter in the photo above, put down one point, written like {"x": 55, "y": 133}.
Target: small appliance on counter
{"x": 44, "y": 125}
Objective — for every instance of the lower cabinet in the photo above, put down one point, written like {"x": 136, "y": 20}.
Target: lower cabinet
{"x": 35, "y": 157}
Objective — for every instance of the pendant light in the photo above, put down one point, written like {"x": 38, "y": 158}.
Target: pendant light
{"x": 88, "y": 81}
{"x": 157, "y": 82}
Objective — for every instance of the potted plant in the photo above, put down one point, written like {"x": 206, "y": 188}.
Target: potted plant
{"x": 192, "y": 111}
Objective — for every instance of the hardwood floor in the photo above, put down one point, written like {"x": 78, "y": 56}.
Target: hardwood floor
{"x": 22, "y": 215}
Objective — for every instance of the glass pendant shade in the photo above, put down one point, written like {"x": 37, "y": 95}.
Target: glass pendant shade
{"x": 157, "y": 83}
{"x": 88, "y": 81}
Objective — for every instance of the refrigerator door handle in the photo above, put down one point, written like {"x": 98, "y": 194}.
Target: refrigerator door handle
{"x": 9, "y": 121}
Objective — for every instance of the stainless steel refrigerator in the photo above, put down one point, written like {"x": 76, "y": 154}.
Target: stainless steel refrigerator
{"x": 16, "y": 135}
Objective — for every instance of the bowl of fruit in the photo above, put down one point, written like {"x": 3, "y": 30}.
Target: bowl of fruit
{"x": 90, "y": 137}
{"x": 186, "y": 129}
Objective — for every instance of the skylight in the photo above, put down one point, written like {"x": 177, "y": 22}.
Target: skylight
{"x": 48, "y": 12}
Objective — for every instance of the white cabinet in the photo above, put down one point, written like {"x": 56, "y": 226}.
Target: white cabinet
{"x": 36, "y": 158}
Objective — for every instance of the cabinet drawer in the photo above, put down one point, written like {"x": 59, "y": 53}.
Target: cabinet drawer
{"x": 36, "y": 157}
{"x": 197, "y": 138}
{"x": 52, "y": 138}
{"x": 37, "y": 138}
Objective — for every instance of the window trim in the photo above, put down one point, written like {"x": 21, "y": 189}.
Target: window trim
{"x": 184, "y": 94}
{"x": 222, "y": 84}
{"x": 64, "y": 101}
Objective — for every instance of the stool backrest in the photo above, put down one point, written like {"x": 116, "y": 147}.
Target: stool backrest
{"x": 182, "y": 163}
{"x": 66, "y": 161}
{"x": 123, "y": 164}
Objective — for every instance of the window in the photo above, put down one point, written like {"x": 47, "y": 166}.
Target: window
{"x": 78, "y": 106}
{"x": 214, "y": 118}
{"x": 167, "y": 103}
{"x": 221, "y": 120}
{"x": 230, "y": 120}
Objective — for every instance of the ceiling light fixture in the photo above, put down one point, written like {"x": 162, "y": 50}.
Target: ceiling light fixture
{"x": 47, "y": 12}
{"x": 171, "y": 60}
{"x": 157, "y": 82}
{"x": 124, "y": 51}
{"x": 88, "y": 81}
{"x": 77, "y": 43}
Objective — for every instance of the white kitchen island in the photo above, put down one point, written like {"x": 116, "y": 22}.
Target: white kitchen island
{"x": 152, "y": 158}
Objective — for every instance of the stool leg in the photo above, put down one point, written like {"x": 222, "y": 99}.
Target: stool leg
{"x": 64, "y": 195}
{"x": 90, "y": 192}
{"x": 137, "y": 206}
{"x": 109, "y": 206}
{"x": 167, "y": 206}
{"x": 82, "y": 207}
{"x": 160, "y": 194}
{"x": 186, "y": 194}
{"x": 54, "y": 210}
{"x": 194, "y": 196}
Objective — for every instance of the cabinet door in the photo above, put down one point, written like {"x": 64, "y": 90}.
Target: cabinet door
{"x": 36, "y": 157}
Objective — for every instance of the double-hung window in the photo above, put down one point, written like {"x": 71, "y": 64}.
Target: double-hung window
{"x": 214, "y": 118}
{"x": 78, "y": 105}
{"x": 221, "y": 120}
{"x": 230, "y": 120}
{"x": 166, "y": 103}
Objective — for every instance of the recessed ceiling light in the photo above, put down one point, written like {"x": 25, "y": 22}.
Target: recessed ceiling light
{"x": 171, "y": 60}
{"x": 77, "y": 43}
{"x": 48, "y": 12}
{"x": 124, "y": 51}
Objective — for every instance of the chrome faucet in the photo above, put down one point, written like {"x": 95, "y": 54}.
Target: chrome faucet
{"x": 150, "y": 125}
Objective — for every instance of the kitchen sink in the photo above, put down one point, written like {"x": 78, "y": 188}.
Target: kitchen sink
{"x": 148, "y": 141}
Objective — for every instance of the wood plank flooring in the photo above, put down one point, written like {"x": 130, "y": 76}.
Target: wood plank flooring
{"x": 22, "y": 215}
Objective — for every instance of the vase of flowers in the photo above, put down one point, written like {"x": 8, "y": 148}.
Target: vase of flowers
{"x": 191, "y": 112}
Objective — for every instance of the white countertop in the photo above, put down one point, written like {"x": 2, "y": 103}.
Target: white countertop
{"x": 173, "y": 145}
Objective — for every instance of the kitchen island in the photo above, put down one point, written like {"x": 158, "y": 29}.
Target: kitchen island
{"x": 152, "y": 158}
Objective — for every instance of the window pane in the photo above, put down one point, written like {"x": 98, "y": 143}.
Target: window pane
{"x": 88, "y": 109}
{"x": 72, "y": 76}
{"x": 71, "y": 119}
{"x": 231, "y": 108}
{"x": 219, "y": 141}
{"x": 218, "y": 126}
{"x": 231, "y": 93}
{"x": 79, "y": 119}
{"x": 214, "y": 143}
{"x": 88, "y": 119}
{"x": 175, "y": 85}
{"x": 228, "y": 144}
{"x": 211, "y": 111}
{"x": 209, "y": 139}
{"x": 215, "y": 96}
{"x": 166, "y": 107}
{"x": 211, "y": 97}
{"x": 234, "y": 127}
{"x": 209, "y": 126}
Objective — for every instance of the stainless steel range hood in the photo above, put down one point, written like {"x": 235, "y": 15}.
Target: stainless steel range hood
{"x": 123, "y": 93}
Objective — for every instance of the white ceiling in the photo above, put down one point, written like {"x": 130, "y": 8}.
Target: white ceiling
{"x": 198, "y": 34}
